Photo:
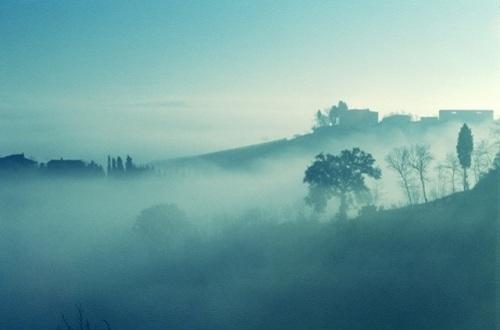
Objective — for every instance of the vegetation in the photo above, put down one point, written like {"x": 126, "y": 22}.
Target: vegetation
{"x": 82, "y": 322}
{"x": 342, "y": 176}
{"x": 420, "y": 159}
{"x": 430, "y": 266}
{"x": 465, "y": 146}
{"x": 330, "y": 117}
{"x": 399, "y": 160}
{"x": 427, "y": 265}
{"x": 452, "y": 166}
{"x": 162, "y": 225}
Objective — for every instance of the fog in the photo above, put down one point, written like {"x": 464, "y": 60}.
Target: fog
{"x": 229, "y": 217}
{"x": 148, "y": 130}
{"x": 68, "y": 242}
{"x": 247, "y": 253}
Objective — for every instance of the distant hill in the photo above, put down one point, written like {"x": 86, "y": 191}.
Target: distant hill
{"x": 326, "y": 139}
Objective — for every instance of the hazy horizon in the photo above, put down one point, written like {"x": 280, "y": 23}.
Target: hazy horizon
{"x": 166, "y": 79}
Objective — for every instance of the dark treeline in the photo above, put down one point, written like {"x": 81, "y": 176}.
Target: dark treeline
{"x": 19, "y": 166}
{"x": 117, "y": 168}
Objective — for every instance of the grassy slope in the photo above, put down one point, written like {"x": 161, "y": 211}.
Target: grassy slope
{"x": 426, "y": 267}
{"x": 310, "y": 144}
{"x": 306, "y": 145}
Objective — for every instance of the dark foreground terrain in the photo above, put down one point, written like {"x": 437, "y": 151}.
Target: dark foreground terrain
{"x": 431, "y": 266}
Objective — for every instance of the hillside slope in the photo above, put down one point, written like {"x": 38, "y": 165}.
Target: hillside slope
{"x": 432, "y": 266}
{"x": 327, "y": 139}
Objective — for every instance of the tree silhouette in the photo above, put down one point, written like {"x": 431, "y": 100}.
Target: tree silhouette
{"x": 164, "y": 227}
{"x": 420, "y": 158}
{"x": 482, "y": 159}
{"x": 119, "y": 165}
{"x": 321, "y": 120}
{"x": 496, "y": 161}
{"x": 337, "y": 111}
{"x": 129, "y": 165}
{"x": 465, "y": 145}
{"x": 108, "y": 169}
{"x": 399, "y": 160}
{"x": 440, "y": 188}
{"x": 342, "y": 176}
{"x": 452, "y": 165}
{"x": 330, "y": 117}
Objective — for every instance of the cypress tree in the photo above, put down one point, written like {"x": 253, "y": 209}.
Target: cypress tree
{"x": 465, "y": 145}
{"x": 109, "y": 166}
{"x": 119, "y": 165}
{"x": 129, "y": 165}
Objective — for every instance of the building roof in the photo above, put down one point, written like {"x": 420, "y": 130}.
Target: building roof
{"x": 17, "y": 158}
{"x": 65, "y": 163}
{"x": 16, "y": 162}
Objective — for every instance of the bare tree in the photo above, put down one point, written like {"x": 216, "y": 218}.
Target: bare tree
{"x": 452, "y": 166}
{"x": 482, "y": 159}
{"x": 496, "y": 161}
{"x": 420, "y": 159}
{"x": 399, "y": 160}
{"x": 83, "y": 322}
{"x": 495, "y": 137}
{"x": 439, "y": 190}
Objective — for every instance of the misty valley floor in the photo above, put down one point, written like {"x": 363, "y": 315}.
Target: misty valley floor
{"x": 431, "y": 266}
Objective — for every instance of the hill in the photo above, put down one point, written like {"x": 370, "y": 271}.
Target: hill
{"x": 428, "y": 267}
{"x": 433, "y": 266}
{"x": 324, "y": 139}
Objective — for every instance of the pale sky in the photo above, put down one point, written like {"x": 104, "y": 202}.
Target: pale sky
{"x": 166, "y": 78}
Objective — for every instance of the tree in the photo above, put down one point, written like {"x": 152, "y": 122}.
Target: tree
{"x": 321, "y": 120}
{"x": 496, "y": 161}
{"x": 440, "y": 188}
{"x": 109, "y": 166}
{"x": 119, "y": 165}
{"x": 94, "y": 169}
{"x": 399, "y": 160}
{"x": 341, "y": 176}
{"x": 495, "y": 136}
{"x": 129, "y": 165}
{"x": 113, "y": 165}
{"x": 160, "y": 219}
{"x": 420, "y": 158}
{"x": 465, "y": 145}
{"x": 452, "y": 166}
{"x": 164, "y": 226}
{"x": 482, "y": 159}
{"x": 337, "y": 111}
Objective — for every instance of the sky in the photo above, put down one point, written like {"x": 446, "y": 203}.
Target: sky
{"x": 162, "y": 79}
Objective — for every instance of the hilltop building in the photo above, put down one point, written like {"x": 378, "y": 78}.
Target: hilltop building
{"x": 429, "y": 120}
{"x": 358, "y": 118}
{"x": 72, "y": 167}
{"x": 396, "y": 120}
{"x": 466, "y": 116}
{"x": 340, "y": 115}
{"x": 65, "y": 165}
{"x": 17, "y": 162}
